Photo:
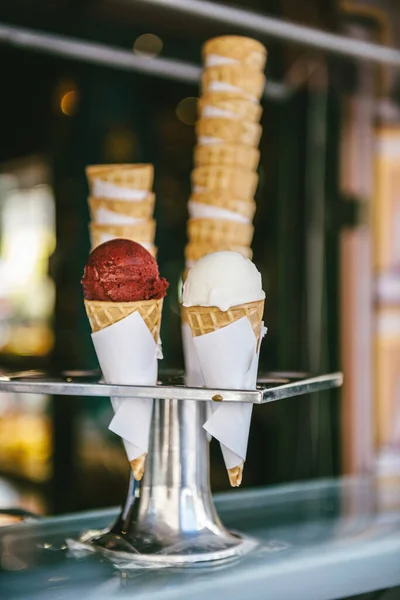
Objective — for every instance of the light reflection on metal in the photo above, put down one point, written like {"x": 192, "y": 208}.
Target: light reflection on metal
{"x": 170, "y": 386}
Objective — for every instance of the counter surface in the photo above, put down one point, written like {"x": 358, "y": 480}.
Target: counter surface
{"x": 318, "y": 540}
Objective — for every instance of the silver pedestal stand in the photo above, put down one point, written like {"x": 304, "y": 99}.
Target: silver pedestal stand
{"x": 174, "y": 519}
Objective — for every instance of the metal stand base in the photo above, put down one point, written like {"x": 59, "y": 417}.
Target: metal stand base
{"x": 174, "y": 520}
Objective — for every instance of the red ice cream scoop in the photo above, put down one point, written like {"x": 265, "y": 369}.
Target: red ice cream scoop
{"x": 122, "y": 271}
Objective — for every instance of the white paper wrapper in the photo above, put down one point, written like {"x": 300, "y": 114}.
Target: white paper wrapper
{"x": 214, "y": 111}
{"x": 197, "y": 210}
{"x": 104, "y": 189}
{"x": 108, "y": 217}
{"x": 193, "y": 375}
{"x": 127, "y": 354}
{"x": 214, "y": 60}
{"x": 229, "y": 359}
{"x": 220, "y": 86}
{"x": 206, "y": 140}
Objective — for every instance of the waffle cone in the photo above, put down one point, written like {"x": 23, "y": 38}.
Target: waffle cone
{"x": 241, "y": 108}
{"x": 138, "y": 465}
{"x": 134, "y": 176}
{"x": 138, "y": 210}
{"x": 242, "y": 183}
{"x": 206, "y": 319}
{"x": 244, "y": 208}
{"x": 235, "y": 475}
{"x": 225, "y": 154}
{"x": 103, "y": 314}
{"x": 213, "y": 231}
{"x": 138, "y": 232}
{"x": 230, "y": 130}
{"x": 194, "y": 252}
{"x": 244, "y": 81}
{"x": 245, "y": 50}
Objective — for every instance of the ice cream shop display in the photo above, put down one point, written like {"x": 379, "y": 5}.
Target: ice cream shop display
{"x": 166, "y": 421}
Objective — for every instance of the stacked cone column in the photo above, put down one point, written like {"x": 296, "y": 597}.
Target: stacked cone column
{"x": 224, "y": 179}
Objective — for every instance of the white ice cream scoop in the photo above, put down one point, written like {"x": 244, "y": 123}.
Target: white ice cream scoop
{"x": 222, "y": 279}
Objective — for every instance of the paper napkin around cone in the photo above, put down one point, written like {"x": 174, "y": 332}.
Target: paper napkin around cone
{"x": 232, "y": 131}
{"x": 214, "y": 231}
{"x": 225, "y": 202}
{"x": 194, "y": 251}
{"x": 240, "y": 49}
{"x": 241, "y": 183}
{"x": 138, "y": 210}
{"x": 230, "y": 107}
{"x": 193, "y": 375}
{"x": 124, "y": 176}
{"x": 126, "y": 339}
{"x": 227, "y": 346}
{"x": 234, "y": 80}
{"x": 143, "y": 232}
{"x": 224, "y": 154}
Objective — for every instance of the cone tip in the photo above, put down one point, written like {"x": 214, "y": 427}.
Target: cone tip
{"x": 235, "y": 475}
{"x": 137, "y": 465}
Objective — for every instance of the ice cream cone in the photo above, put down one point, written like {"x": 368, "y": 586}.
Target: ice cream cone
{"x": 142, "y": 232}
{"x": 206, "y": 319}
{"x": 223, "y": 154}
{"x": 102, "y": 314}
{"x": 224, "y": 303}
{"x": 243, "y": 50}
{"x": 212, "y": 231}
{"x": 224, "y": 201}
{"x": 241, "y": 183}
{"x": 234, "y": 80}
{"x": 232, "y": 131}
{"x": 193, "y": 251}
{"x": 138, "y": 210}
{"x": 231, "y": 107}
{"x": 203, "y": 320}
{"x": 128, "y": 176}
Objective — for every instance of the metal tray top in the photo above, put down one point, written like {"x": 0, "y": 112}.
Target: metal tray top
{"x": 270, "y": 386}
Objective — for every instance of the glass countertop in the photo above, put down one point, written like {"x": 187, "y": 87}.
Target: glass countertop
{"x": 319, "y": 540}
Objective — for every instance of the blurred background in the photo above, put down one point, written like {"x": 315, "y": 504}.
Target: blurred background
{"x": 327, "y": 229}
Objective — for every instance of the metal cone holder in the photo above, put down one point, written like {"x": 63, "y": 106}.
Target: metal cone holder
{"x": 173, "y": 519}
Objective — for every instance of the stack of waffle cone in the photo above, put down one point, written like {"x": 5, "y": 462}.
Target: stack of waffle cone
{"x": 224, "y": 179}
{"x": 121, "y": 203}
{"x": 103, "y": 314}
